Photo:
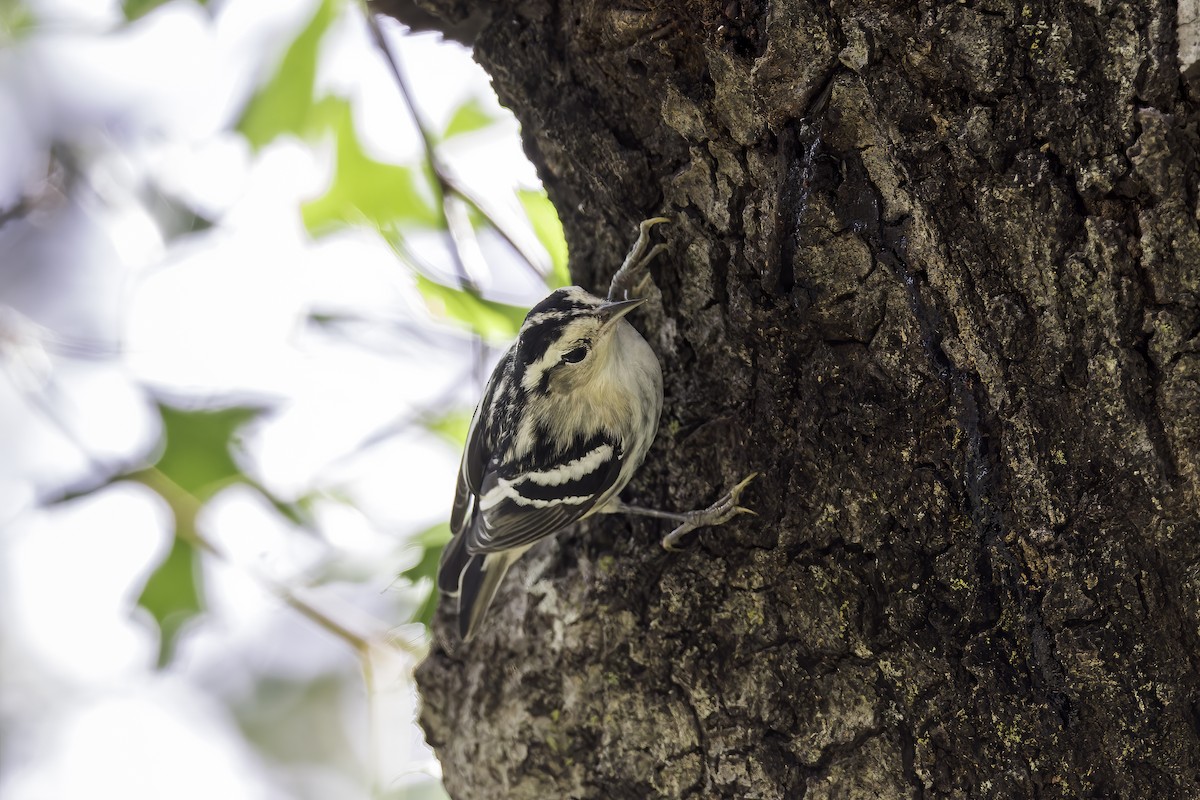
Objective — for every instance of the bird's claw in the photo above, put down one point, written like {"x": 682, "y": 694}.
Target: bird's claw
{"x": 718, "y": 513}
{"x": 626, "y": 284}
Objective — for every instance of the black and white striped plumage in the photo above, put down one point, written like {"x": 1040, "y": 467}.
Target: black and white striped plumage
{"x": 564, "y": 423}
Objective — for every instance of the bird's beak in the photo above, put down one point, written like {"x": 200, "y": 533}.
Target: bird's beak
{"x": 611, "y": 312}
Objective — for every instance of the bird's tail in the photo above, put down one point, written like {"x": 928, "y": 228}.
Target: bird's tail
{"x": 478, "y": 583}
{"x": 473, "y": 579}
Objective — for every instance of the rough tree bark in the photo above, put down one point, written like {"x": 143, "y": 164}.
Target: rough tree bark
{"x": 935, "y": 273}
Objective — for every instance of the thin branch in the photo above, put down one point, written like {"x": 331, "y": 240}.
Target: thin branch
{"x": 100, "y": 472}
{"x": 450, "y": 189}
{"x": 457, "y": 236}
{"x": 186, "y": 507}
{"x": 486, "y": 210}
{"x": 413, "y": 17}
{"x": 17, "y": 210}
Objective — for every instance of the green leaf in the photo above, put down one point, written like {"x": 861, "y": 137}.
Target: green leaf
{"x": 471, "y": 116}
{"x": 196, "y": 461}
{"x": 16, "y": 21}
{"x": 136, "y": 9}
{"x": 453, "y": 425}
{"x": 431, "y": 541}
{"x": 548, "y": 229}
{"x": 139, "y": 8}
{"x": 285, "y": 103}
{"x": 172, "y": 595}
{"x": 366, "y": 191}
{"x": 487, "y": 318}
{"x": 197, "y": 455}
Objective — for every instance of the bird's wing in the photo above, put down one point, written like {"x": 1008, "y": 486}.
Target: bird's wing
{"x": 476, "y": 453}
{"x": 519, "y": 505}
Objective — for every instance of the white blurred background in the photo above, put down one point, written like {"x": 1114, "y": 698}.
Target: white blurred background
{"x": 230, "y": 412}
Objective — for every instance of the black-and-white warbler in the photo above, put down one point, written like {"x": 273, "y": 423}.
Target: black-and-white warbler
{"x": 564, "y": 423}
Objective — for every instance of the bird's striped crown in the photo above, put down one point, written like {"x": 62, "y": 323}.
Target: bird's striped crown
{"x": 554, "y": 319}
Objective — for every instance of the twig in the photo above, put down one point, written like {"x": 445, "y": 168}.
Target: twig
{"x": 186, "y": 507}
{"x": 458, "y": 237}
{"x": 451, "y": 191}
{"x": 486, "y": 210}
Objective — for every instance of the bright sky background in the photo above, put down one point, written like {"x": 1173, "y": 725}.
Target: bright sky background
{"x": 96, "y": 308}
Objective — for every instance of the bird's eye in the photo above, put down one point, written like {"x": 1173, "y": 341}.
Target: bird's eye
{"x": 575, "y": 356}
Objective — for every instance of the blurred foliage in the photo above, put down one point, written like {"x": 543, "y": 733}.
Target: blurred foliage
{"x": 548, "y": 229}
{"x": 452, "y": 426}
{"x": 395, "y": 200}
{"x": 16, "y": 21}
{"x": 471, "y": 116}
{"x": 173, "y": 217}
{"x": 199, "y": 453}
{"x": 285, "y": 103}
{"x": 297, "y": 720}
{"x": 365, "y": 191}
{"x": 197, "y": 456}
{"x": 172, "y": 595}
{"x": 135, "y": 9}
{"x": 196, "y": 462}
{"x": 430, "y": 542}
{"x": 488, "y": 319}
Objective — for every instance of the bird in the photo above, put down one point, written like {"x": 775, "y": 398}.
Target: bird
{"x": 564, "y": 423}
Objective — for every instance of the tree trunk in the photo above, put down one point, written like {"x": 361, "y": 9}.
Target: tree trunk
{"x": 935, "y": 272}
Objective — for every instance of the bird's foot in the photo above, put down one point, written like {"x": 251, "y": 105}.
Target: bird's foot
{"x": 633, "y": 278}
{"x": 718, "y": 513}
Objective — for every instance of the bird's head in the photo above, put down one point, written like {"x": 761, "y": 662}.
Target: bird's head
{"x": 566, "y": 340}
